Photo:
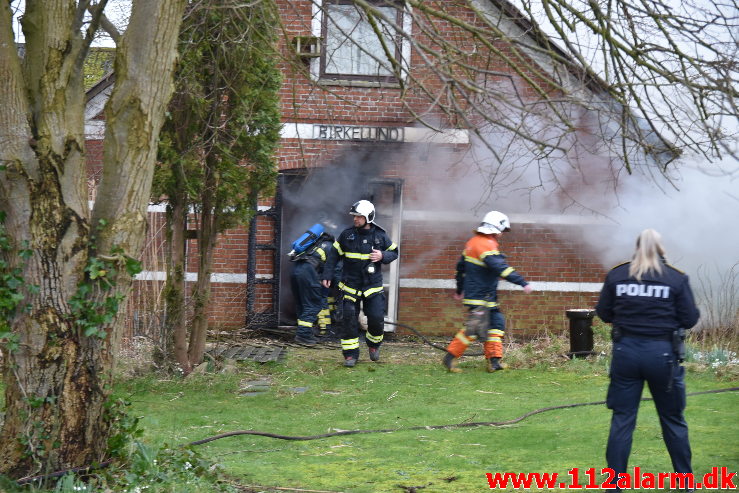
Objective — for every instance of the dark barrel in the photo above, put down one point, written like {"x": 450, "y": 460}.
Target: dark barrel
{"x": 581, "y": 332}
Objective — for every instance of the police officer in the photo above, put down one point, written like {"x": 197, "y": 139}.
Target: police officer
{"x": 362, "y": 247}
{"x": 310, "y": 296}
{"x": 650, "y": 305}
{"x": 478, "y": 270}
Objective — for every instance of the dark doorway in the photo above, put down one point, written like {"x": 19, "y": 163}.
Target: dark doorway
{"x": 325, "y": 195}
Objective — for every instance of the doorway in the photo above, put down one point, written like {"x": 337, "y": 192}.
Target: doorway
{"x": 318, "y": 196}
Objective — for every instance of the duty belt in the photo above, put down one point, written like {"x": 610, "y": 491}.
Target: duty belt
{"x": 654, "y": 337}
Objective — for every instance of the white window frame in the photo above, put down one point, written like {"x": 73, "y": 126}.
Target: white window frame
{"x": 316, "y": 64}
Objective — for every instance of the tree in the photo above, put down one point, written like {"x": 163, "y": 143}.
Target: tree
{"x": 217, "y": 145}
{"x": 71, "y": 264}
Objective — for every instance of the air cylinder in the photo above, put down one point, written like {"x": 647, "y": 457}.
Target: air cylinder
{"x": 581, "y": 332}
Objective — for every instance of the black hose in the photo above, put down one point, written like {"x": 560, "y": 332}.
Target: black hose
{"x": 57, "y": 474}
{"x": 424, "y": 339}
{"x": 428, "y": 427}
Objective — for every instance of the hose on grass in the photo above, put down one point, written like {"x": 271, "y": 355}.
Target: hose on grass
{"x": 428, "y": 427}
{"x": 426, "y": 340}
{"x": 468, "y": 424}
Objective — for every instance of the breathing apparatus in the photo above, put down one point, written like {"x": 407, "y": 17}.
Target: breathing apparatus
{"x": 306, "y": 240}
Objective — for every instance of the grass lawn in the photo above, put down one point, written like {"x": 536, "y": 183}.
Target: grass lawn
{"x": 312, "y": 393}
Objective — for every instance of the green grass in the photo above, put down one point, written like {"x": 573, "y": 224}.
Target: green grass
{"x": 409, "y": 388}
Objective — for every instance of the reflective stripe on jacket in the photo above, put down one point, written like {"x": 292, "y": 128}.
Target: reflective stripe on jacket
{"x": 478, "y": 270}
{"x": 354, "y": 247}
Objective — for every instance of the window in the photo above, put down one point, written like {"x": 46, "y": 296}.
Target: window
{"x": 351, "y": 47}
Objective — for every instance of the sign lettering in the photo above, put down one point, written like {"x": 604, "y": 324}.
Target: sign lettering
{"x": 351, "y": 132}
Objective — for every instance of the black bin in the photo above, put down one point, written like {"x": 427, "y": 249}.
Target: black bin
{"x": 581, "y": 332}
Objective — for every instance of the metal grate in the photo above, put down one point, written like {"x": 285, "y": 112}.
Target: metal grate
{"x": 259, "y": 354}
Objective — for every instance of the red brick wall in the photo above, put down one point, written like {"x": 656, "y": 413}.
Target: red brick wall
{"x": 429, "y": 249}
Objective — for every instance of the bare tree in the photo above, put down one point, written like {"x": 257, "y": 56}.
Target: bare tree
{"x": 71, "y": 264}
{"x": 643, "y": 80}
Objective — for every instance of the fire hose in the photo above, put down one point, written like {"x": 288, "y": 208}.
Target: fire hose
{"x": 397, "y": 324}
{"x": 425, "y": 339}
{"x": 467, "y": 424}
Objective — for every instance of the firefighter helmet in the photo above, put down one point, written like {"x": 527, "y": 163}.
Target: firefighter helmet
{"x": 363, "y": 208}
{"x": 494, "y": 222}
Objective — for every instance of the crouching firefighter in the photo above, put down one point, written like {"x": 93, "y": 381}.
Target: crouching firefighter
{"x": 478, "y": 270}
{"x": 362, "y": 248}
{"x": 309, "y": 255}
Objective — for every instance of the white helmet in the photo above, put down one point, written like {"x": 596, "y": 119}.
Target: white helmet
{"x": 363, "y": 208}
{"x": 494, "y": 222}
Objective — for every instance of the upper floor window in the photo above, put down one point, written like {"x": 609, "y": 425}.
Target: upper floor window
{"x": 352, "y": 49}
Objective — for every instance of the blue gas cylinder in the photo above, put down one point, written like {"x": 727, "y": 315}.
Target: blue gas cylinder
{"x": 307, "y": 239}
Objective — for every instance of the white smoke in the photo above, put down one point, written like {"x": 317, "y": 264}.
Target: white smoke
{"x": 694, "y": 206}
{"x": 696, "y": 214}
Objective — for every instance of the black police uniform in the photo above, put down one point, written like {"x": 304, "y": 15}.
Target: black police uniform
{"x": 645, "y": 317}
{"x": 361, "y": 282}
{"x": 306, "y": 285}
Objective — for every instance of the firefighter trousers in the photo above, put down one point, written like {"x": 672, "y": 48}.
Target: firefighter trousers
{"x": 374, "y": 309}
{"x": 309, "y": 297}
{"x": 483, "y": 324}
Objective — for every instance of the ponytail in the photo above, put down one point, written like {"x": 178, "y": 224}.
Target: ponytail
{"x": 648, "y": 256}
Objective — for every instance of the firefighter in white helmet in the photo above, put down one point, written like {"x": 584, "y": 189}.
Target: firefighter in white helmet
{"x": 478, "y": 271}
{"x": 363, "y": 248}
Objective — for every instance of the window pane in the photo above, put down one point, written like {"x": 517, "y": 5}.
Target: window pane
{"x": 352, "y": 46}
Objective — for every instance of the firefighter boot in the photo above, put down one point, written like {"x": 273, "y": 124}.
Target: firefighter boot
{"x": 374, "y": 353}
{"x": 494, "y": 365}
{"x": 450, "y": 362}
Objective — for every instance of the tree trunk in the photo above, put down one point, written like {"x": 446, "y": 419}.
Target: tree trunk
{"x": 175, "y": 324}
{"x": 58, "y": 379}
{"x": 206, "y": 244}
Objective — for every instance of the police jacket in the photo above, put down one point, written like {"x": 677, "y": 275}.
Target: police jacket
{"x": 317, "y": 254}
{"x": 354, "y": 246}
{"x": 654, "y": 307}
{"x": 478, "y": 270}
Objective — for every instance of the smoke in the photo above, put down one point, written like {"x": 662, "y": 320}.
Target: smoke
{"x": 694, "y": 205}
{"x": 448, "y": 189}
{"x": 695, "y": 210}
{"x": 325, "y": 195}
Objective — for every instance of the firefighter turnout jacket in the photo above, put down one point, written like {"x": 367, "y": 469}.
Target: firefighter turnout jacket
{"x": 360, "y": 278}
{"x": 478, "y": 270}
{"x": 318, "y": 254}
{"x": 658, "y": 305}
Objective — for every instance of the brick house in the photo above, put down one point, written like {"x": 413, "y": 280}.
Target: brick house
{"x": 352, "y": 131}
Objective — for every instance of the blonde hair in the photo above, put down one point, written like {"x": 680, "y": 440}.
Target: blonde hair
{"x": 648, "y": 256}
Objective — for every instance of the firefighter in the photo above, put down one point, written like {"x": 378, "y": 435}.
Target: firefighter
{"x": 650, "y": 304}
{"x": 478, "y": 270}
{"x": 310, "y": 296}
{"x": 363, "y": 248}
